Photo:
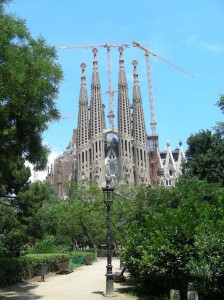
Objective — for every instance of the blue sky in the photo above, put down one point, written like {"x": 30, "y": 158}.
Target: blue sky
{"x": 188, "y": 33}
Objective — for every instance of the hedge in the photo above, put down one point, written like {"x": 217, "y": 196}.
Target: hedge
{"x": 77, "y": 257}
{"x": 13, "y": 270}
{"x": 18, "y": 269}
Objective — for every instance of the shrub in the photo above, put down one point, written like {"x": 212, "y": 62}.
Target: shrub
{"x": 50, "y": 244}
{"x": 77, "y": 257}
{"x": 14, "y": 270}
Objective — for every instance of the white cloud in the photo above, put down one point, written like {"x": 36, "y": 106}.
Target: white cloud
{"x": 214, "y": 48}
{"x": 195, "y": 39}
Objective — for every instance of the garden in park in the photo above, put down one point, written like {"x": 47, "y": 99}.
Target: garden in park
{"x": 168, "y": 238}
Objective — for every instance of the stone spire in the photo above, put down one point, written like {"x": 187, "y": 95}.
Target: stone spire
{"x": 181, "y": 159}
{"x": 97, "y": 124}
{"x": 139, "y": 134}
{"x": 124, "y": 126}
{"x": 95, "y": 75}
{"x": 83, "y": 144}
{"x": 83, "y": 118}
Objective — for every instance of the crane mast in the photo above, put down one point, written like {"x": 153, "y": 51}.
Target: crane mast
{"x": 110, "y": 89}
{"x": 153, "y": 121}
{"x": 151, "y": 99}
{"x": 153, "y": 139}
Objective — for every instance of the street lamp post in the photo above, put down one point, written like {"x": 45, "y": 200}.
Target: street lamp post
{"x": 108, "y": 194}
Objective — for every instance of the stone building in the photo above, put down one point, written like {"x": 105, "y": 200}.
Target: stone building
{"x": 96, "y": 153}
{"x": 171, "y": 162}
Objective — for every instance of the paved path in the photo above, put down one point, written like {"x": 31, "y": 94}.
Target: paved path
{"x": 85, "y": 283}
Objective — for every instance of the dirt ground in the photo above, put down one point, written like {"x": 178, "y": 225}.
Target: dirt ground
{"x": 85, "y": 283}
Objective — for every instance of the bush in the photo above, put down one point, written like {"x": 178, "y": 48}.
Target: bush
{"x": 101, "y": 253}
{"x": 50, "y": 244}
{"x": 77, "y": 257}
{"x": 18, "y": 269}
{"x": 179, "y": 247}
{"x": 14, "y": 270}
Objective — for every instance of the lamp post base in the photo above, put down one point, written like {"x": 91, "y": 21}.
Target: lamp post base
{"x": 109, "y": 286}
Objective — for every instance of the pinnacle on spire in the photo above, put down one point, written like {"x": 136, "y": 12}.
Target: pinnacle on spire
{"x": 95, "y": 74}
{"x": 121, "y": 59}
{"x": 95, "y": 61}
{"x": 135, "y": 73}
{"x": 83, "y": 76}
{"x": 122, "y": 80}
{"x": 83, "y": 93}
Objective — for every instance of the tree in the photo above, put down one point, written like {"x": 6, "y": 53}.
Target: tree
{"x": 220, "y": 125}
{"x": 29, "y": 81}
{"x": 12, "y": 232}
{"x": 205, "y": 153}
{"x": 33, "y": 198}
{"x": 205, "y": 157}
{"x": 179, "y": 246}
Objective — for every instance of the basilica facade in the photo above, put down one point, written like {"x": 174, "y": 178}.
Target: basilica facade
{"x": 97, "y": 153}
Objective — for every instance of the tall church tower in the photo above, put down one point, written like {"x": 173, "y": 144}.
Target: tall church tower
{"x": 141, "y": 169}
{"x": 97, "y": 124}
{"x": 124, "y": 126}
{"x": 83, "y": 143}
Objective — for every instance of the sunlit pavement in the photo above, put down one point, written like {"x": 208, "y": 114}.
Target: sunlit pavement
{"x": 85, "y": 283}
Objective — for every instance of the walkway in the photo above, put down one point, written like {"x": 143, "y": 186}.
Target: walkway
{"x": 85, "y": 283}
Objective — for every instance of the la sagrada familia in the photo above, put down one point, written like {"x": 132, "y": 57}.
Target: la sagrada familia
{"x": 96, "y": 153}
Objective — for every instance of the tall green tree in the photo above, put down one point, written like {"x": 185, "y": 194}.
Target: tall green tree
{"x": 220, "y": 125}
{"x": 29, "y": 84}
{"x": 34, "y": 197}
{"x": 205, "y": 157}
{"x": 205, "y": 153}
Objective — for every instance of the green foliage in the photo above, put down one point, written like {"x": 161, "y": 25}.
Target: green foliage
{"x": 18, "y": 269}
{"x": 220, "y": 125}
{"x": 77, "y": 257}
{"x": 45, "y": 246}
{"x": 14, "y": 270}
{"x": 12, "y": 232}
{"x": 205, "y": 157}
{"x": 33, "y": 197}
{"x": 51, "y": 244}
{"x": 83, "y": 218}
{"x": 178, "y": 246}
{"x": 29, "y": 80}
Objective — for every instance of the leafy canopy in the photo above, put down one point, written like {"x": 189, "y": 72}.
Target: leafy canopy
{"x": 29, "y": 83}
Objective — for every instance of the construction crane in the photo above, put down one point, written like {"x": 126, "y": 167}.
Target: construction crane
{"x": 69, "y": 117}
{"x": 153, "y": 139}
{"x": 147, "y": 52}
{"x": 110, "y": 90}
